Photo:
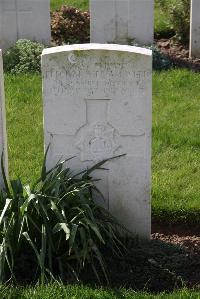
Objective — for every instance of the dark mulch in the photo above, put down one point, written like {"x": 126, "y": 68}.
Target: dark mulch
{"x": 181, "y": 229}
{"x": 170, "y": 260}
{"x": 178, "y": 53}
{"x": 190, "y": 245}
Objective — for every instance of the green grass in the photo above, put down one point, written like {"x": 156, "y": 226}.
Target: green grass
{"x": 176, "y": 144}
{"x": 24, "y": 125}
{"x": 58, "y": 291}
{"x": 81, "y": 4}
{"x": 176, "y": 139}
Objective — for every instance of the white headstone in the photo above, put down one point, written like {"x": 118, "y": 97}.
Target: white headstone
{"x": 195, "y": 28}
{"x": 28, "y": 19}
{"x": 122, "y": 21}
{"x": 97, "y": 104}
{"x": 3, "y": 135}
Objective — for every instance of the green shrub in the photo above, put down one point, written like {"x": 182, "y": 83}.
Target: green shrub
{"x": 58, "y": 220}
{"x": 70, "y": 26}
{"x": 179, "y": 16}
{"x": 160, "y": 60}
{"x": 23, "y": 57}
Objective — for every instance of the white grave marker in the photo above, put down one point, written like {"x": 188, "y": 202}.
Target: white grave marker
{"x": 122, "y": 21}
{"x": 3, "y": 136}
{"x": 97, "y": 104}
{"x": 195, "y": 28}
{"x": 29, "y": 19}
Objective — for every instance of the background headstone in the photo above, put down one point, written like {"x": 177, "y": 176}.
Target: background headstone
{"x": 29, "y": 19}
{"x": 122, "y": 21}
{"x": 97, "y": 104}
{"x": 195, "y": 28}
{"x": 3, "y": 135}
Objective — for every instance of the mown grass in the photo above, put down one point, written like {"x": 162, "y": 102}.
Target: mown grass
{"x": 176, "y": 139}
{"x": 24, "y": 125}
{"x": 176, "y": 145}
{"x": 58, "y": 291}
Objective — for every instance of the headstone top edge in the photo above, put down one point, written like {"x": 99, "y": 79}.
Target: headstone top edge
{"x": 96, "y": 46}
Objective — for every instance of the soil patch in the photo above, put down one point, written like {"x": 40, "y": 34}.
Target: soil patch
{"x": 189, "y": 243}
{"x": 178, "y": 53}
{"x": 180, "y": 229}
{"x": 167, "y": 262}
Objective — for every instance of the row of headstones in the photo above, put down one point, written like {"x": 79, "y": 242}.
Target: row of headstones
{"x": 112, "y": 21}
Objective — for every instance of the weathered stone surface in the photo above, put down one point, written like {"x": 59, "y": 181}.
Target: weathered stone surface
{"x": 195, "y": 29}
{"x": 97, "y": 104}
{"x": 3, "y": 135}
{"x": 122, "y": 21}
{"x": 29, "y": 19}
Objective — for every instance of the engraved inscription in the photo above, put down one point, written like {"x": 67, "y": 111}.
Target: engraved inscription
{"x": 72, "y": 58}
{"x": 106, "y": 78}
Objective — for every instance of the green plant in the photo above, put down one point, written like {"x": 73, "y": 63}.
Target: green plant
{"x": 70, "y": 26}
{"x": 59, "y": 221}
{"x": 160, "y": 60}
{"x": 23, "y": 57}
{"x": 179, "y": 17}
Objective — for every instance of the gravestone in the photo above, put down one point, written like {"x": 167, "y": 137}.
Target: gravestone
{"x": 97, "y": 104}
{"x": 195, "y": 28}
{"x": 24, "y": 19}
{"x": 122, "y": 21}
{"x": 3, "y": 136}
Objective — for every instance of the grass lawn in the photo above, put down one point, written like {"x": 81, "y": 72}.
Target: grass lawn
{"x": 176, "y": 138}
{"x": 176, "y": 144}
{"x": 24, "y": 125}
{"x": 78, "y": 292}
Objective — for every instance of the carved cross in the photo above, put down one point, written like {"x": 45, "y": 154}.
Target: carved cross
{"x": 98, "y": 139}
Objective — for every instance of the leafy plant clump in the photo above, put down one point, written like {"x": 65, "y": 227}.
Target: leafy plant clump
{"x": 160, "y": 60}
{"x": 70, "y": 26}
{"x": 55, "y": 229}
{"x": 23, "y": 57}
{"x": 179, "y": 17}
